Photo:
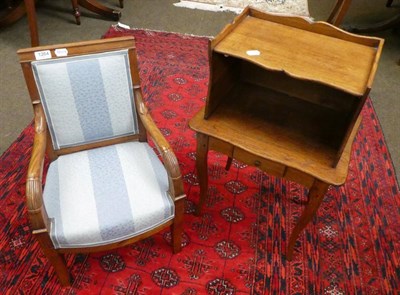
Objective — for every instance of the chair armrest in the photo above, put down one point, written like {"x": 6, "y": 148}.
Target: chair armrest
{"x": 170, "y": 161}
{"x": 34, "y": 194}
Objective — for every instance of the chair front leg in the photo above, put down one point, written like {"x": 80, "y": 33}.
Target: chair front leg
{"x": 177, "y": 226}
{"x": 55, "y": 258}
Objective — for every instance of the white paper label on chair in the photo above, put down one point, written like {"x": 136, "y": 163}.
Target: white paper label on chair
{"x": 45, "y": 54}
{"x": 61, "y": 52}
{"x": 253, "y": 52}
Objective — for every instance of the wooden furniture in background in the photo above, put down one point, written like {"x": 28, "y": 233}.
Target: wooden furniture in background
{"x": 19, "y": 8}
{"x": 340, "y": 10}
{"x": 96, "y": 7}
{"x": 285, "y": 96}
{"x": 386, "y": 24}
{"x": 10, "y": 12}
{"x": 101, "y": 130}
{"x": 32, "y": 21}
{"x": 15, "y": 11}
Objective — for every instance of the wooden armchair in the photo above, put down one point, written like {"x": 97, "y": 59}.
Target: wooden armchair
{"x": 105, "y": 186}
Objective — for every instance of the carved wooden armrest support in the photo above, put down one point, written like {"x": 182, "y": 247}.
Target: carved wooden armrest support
{"x": 34, "y": 194}
{"x": 170, "y": 161}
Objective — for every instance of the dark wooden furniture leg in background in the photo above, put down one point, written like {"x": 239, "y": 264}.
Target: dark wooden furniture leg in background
{"x": 100, "y": 9}
{"x": 32, "y": 22}
{"x": 342, "y": 6}
{"x": 381, "y": 26}
{"x": 17, "y": 12}
{"x": 14, "y": 13}
{"x": 76, "y": 12}
{"x": 28, "y": 7}
{"x": 339, "y": 11}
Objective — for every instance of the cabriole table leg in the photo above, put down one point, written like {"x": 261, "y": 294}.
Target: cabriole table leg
{"x": 315, "y": 197}
{"x": 202, "y": 170}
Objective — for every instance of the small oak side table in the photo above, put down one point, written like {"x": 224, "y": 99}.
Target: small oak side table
{"x": 285, "y": 95}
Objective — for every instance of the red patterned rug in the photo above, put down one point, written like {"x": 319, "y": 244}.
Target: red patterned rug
{"x": 353, "y": 246}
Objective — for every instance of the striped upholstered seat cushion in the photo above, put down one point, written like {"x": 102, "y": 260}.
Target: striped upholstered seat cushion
{"x": 106, "y": 195}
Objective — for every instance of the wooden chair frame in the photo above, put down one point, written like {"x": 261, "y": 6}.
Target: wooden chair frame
{"x": 42, "y": 144}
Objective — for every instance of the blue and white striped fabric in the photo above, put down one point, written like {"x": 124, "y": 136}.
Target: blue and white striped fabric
{"x": 86, "y": 98}
{"x": 105, "y": 195}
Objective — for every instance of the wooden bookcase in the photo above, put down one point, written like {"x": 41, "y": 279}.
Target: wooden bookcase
{"x": 285, "y": 95}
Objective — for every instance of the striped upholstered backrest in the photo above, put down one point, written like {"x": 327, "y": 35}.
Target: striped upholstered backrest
{"x": 87, "y": 98}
